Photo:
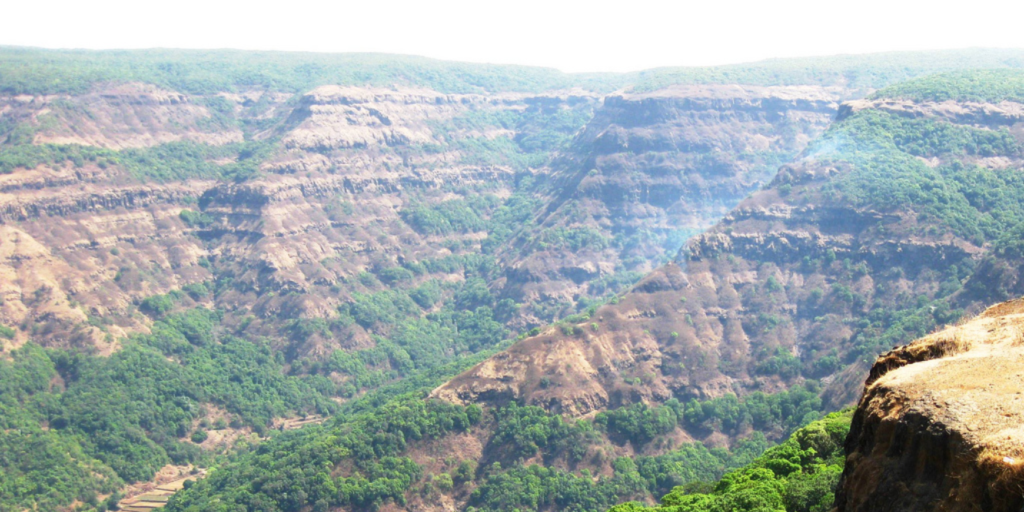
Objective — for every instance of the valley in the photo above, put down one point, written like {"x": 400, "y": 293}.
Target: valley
{"x": 404, "y": 284}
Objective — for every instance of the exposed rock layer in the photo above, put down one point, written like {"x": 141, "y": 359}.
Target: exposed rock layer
{"x": 655, "y": 168}
{"x": 939, "y": 425}
{"x": 328, "y": 205}
{"x": 798, "y": 274}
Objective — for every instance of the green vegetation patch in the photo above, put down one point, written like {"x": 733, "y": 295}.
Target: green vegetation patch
{"x": 29, "y": 156}
{"x": 294, "y": 470}
{"x": 184, "y": 160}
{"x": 123, "y": 417}
{"x": 166, "y": 162}
{"x": 799, "y": 475}
{"x": 870, "y": 71}
{"x": 43, "y": 468}
{"x": 372, "y": 440}
{"x": 779, "y": 412}
{"x": 990, "y": 86}
{"x": 454, "y": 216}
{"x": 476, "y": 213}
{"x": 574, "y": 239}
{"x": 976, "y": 203}
{"x": 38, "y": 71}
{"x": 502, "y": 150}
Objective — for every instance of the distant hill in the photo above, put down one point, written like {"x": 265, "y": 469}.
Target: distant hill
{"x": 40, "y": 71}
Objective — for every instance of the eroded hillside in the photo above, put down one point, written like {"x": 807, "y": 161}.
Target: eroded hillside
{"x": 348, "y": 190}
{"x": 650, "y": 171}
{"x": 324, "y": 245}
{"x": 319, "y": 207}
{"x": 872, "y": 237}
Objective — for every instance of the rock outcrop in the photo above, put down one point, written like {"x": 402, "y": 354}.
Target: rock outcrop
{"x": 939, "y": 425}
{"x": 648, "y": 171}
{"x": 648, "y": 337}
{"x": 121, "y": 116}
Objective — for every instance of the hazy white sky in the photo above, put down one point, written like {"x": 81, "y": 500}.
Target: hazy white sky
{"x": 573, "y": 36}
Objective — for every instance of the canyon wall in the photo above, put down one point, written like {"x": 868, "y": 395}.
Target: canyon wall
{"x": 838, "y": 258}
{"x": 329, "y": 201}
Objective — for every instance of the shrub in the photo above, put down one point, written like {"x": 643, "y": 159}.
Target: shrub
{"x": 199, "y": 436}
{"x": 194, "y": 219}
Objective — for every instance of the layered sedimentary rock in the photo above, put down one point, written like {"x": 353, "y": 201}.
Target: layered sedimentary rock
{"x": 650, "y": 170}
{"x": 806, "y": 278}
{"x": 327, "y": 203}
{"x": 119, "y": 116}
{"x": 324, "y": 207}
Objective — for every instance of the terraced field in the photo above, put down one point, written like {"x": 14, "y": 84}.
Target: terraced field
{"x": 154, "y": 495}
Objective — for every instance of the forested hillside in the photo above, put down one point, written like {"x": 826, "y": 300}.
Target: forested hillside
{"x": 38, "y": 71}
{"x": 367, "y": 281}
{"x": 798, "y": 475}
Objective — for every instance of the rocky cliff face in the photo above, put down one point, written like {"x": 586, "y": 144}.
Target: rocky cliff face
{"x": 938, "y": 426}
{"x": 646, "y": 172}
{"x": 651, "y": 170}
{"x": 84, "y": 240}
{"x": 372, "y": 240}
{"x": 330, "y": 207}
{"x": 838, "y": 258}
{"x": 325, "y": 207}
{"x": 779, "y": 290}
{"x": 129, "y": 115}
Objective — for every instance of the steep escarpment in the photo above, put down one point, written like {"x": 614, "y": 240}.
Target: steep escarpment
{"x": 375, "y": 190}
{"x": 141, "y": 190}
{"x": 119, "y": 116}
{"x": 71, "y": 258}
{"x": 938, "y": 426}
{"x": 86, "y": 236}
{"x": 648, "y": 172}
{"x": 348, "y": 243}
{"x": 342, "y": 186}
{"x": 872, "y": 237}
{"x": 345, "y": 117}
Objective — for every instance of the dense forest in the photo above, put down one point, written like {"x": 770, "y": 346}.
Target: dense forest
{"x": 798, "y": 475}
{"x": 77, "y": 425}
{"x": 117, "y": 419}
{"x": 378, "y": 440}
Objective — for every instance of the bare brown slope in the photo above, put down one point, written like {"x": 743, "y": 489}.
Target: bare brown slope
{"x": 592, "y": 366}
{"x": 120, "y": 116}
{"x": 329, "y": 206}
{"x": 80, "y": 245}
{"x": 939, "y": 425}
{"x": 744, "y": 295}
